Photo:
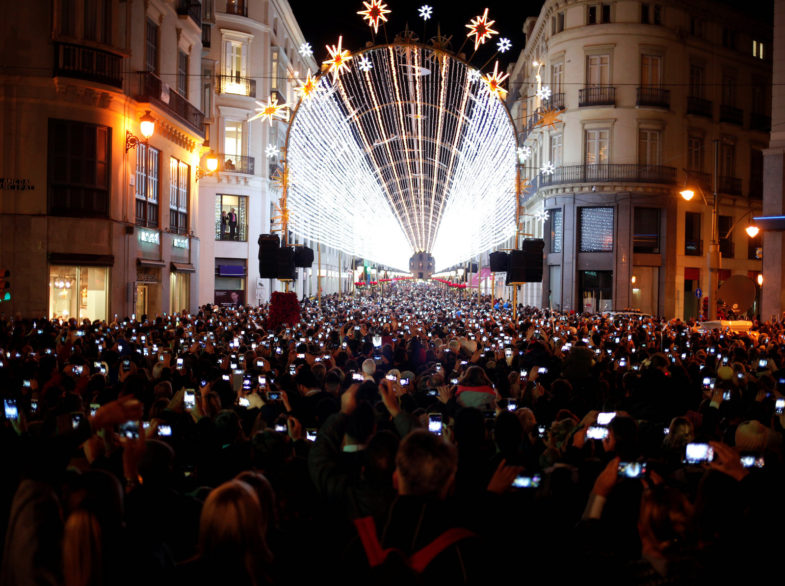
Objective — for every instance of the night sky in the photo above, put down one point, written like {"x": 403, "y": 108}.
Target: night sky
{"x": 322, "y": 23}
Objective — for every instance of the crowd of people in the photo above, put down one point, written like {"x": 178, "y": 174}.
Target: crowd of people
{"x": 408, "y": 437}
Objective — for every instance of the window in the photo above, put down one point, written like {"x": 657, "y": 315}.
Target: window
{"x": 557, "y": 150}
{"x": 645, "y": 13}
{"x": 693, "y": 245}
{"x": 239, "y": 7}
{"x": 557, "y": 229}
{"x": 235, "y": 59}
{"x": 596, "y": 151}
{"x": 657, "y": 14}
{"x": 755, "y": 247}
{"x": 233, "y": 144}
{"x": 649, "y": 147}
{"x": 557, "y": 77}
{"x": 274, "y": 62}
{"x": 78, "y": 292}
{"x": 728, "y": 38}
{"x": 596, "y": 230}
{"x": 729, "y": 84}
{"x": 182, "y": 73}
{"x": 207, "y": 96}
{"x": 151, "y": 46}
{"x": 697, "y": 73}
{"x": 724, "y": 224}
{"x": 651, "y": 71}
{"x": 179, "y": 187}
{"x": 695, "y": 152}
{"x": 599, "y": 13}
{"x": 757, "y": 49}
{"x": 597, "y": 70}
{"x": 557, "y": 23}
{"x": 646, "y": 230}
{"x": 226, "y": 226}
{"x": 596, "y": 291}
{"x": 727, "y": 158}
{"x": 98, "y": 21}
{"x": 760, "y": 91}
{"x": 756, "y": 173}
{"x": 147, "y": 185}
{"x": 78, "y": 175}
{"x": 696, "y": 27}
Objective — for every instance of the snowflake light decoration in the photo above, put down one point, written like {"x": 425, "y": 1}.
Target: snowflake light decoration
{"x": 271, "y": 151}
{"x": 480, "y": 28}
{"x": 269, "y": 110}
{"x": 425, "y": 12}
{"x": 474, "y": 75}
{"x": 364, "y": 64}
{"x": 374, "y": 12}
{"x": 504, "y": 45}
{"x": 306, "y": 50}
{"x": 308, "y": 87}
{"x": 524, "y": 153}
{"x": 339, "y": 59}
{"x": 541, "y": 215}
{"x": 548, "y": 168}
{"x": 493, "y": 82}
{"x": 544, "y": 93}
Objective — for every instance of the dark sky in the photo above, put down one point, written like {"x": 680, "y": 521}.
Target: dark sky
{"x": 322, "y": 22}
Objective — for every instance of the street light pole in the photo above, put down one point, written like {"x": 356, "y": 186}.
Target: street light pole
{"x": 713, "y": 258}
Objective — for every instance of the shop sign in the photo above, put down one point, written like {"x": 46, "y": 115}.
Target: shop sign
{"x": 178, "y": 242}
{"x": 149, "y": 236}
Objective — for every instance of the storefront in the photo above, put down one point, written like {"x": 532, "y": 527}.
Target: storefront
{"x": 180, "y": 287}
{"x": 230, "y": 277}
{"x": 78, "y": 291}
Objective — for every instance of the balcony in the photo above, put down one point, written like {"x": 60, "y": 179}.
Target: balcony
{"x": 150, "y": 88}
{"x": 699, "y": 106}
{"x": 88, "y": 63}
{"x": 235, "y": 163}
{"x": 240, "y": 235}
{"x": 702, "y": 180}
{"x": 236, "y": 85}
{"x": 760, "y": 122}
{"x": 731, "y": 114}
{"x": 192, "y": 9}
{"x": 207, "y": 33}
{"x": 729, "y": 185}
{"x": 238, "y": 7}
{"x": 600, "y": 95}
{"x": 654, "y": 97}
{"x": 609, "y": 173}
{"x": 555, "y": 102}
{"x": 693, "y": 247}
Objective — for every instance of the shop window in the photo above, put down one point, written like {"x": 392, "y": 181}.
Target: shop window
{"x": 179, "y": 291}
{"x": 231, "y": 217}
{"x": 78, "y": 292}
{"x": 596, "y": 291}
{"x": 179, "y": 187}
{"x": 147, "y": 186}
{"x": 557, "y": 230}
{"x": 646, "y": 230}
{"x": 78, "y": 176}
{"x": 693, "y": 245}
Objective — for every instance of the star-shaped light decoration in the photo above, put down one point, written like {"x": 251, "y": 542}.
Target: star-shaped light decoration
{"x": 425, "y": 12}
{"x": 269, "y": 110}
{"x": 308, "y": 87}
{"x": 548, "y": 168}
{"x": 271, "y": 151}
{"x": 474, "y": 74}
{"x": 541, "y": 215}
{"x": 480, "y": 28}
{"x": 374, "y": 12}
{"x": 306, "y": 50}
{"x": 339, "y": 59}
{"x": 549, "y": 118}
{"x": 524, "y": 153}
{"x": 493, "y": 82}
{"x": 544, "y": 93}
{"x": 504, "y": 45}
{"x": 523, "y": 185}
{"x": 364, "y": 64}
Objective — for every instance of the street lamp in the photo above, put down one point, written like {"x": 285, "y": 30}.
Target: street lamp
{"x": 713, "y": 256}
{"x": 147, "y": 128}
{"x": 211, "y": 161}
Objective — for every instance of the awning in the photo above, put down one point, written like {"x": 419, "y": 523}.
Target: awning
{"x": 149, "y": 262}
{"x": 775, "y": 223}
{"x": 90, "y": 260}
{"x": 231, "y": 270}
{"x": 183, "y": 267}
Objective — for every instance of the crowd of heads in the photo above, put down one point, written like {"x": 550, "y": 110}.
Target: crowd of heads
{"x": 207, "y": 447}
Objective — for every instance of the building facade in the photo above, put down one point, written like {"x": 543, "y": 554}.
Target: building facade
{"x": 96, "y": 220}
{"x": 649, "y": 92}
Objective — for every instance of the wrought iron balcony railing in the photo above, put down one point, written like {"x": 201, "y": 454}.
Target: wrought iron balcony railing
{"x": 192, "y": 9}
{"x": 699, "y": 107}
{"x": 236, "y": 163}
{"x": 601, "y": 95}
{"x": 654, "y": 97}
{"x": 88, "y": 63}
{"x": 239, "y": 86}
{"x": 731, "y": 114}
{"x": 150, "y": 88}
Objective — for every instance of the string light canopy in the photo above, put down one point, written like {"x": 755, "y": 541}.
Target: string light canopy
{"x": 410, "y": 154}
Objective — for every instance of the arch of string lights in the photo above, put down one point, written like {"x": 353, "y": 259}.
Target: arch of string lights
{"x": 406, "y": 151}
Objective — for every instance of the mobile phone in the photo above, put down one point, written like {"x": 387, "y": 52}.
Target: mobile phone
{"x": 622, "y": 362}
{"x": 752, "y": 461}
{"x": 262, "y": 381}
{"x": 273, "y": 395}
{"x": 698, "y": 453}
{"x": 243, "y": 402}
{"x": 179, "y": 363}
{"x": 11, "y": 410}
{"x": 93, "y": 408}
{"x": 779, "y": 406}
{"x": 164, "y": 430}
{"x": 512, "y": 404}
{"x": 453, "y": 381}
{"x": 310, "y": 434}
{"x": 596, "y": 432}
{"x": 508, "y": 352}
{"x": 76, "y": 420}
{"x": 542, "y": 370}
{"x": 435, "y": 423}
{"x": 632, "y": 469}
{"x": 300, "y": 355}
{"x": 523, "y": 481}
{"x": 604, "y": 418}
{"x": 377, "y": 341}
{"x": 129, "y": 430}
{"x": 390, "y": 377}
{"x": 26, "y": 383}
{"x": 280, "y": 427}
{"x": 404, "y": 382}
{"x": 260, "y": 364}
{"x": 726, "y": 395}
{"x": 190, "y": 399}
{"x": 542, "y": 430}
{"x": 762, "y": 363}
{"x": 126, "y": 365}
{"x": 292, "y": 369}
{"x": 706, "y": 381}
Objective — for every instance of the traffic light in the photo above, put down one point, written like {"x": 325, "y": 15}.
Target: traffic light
{"x": 5, "y": 285}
